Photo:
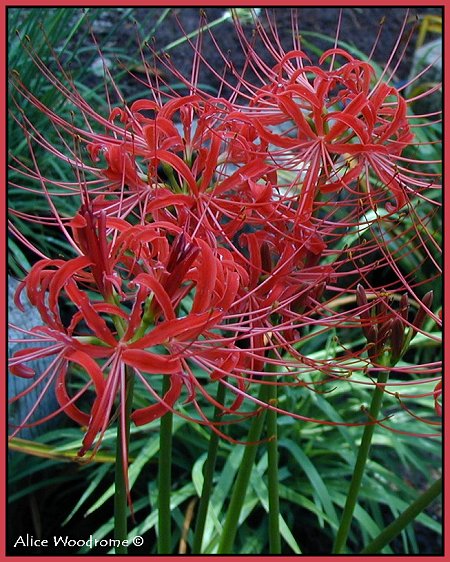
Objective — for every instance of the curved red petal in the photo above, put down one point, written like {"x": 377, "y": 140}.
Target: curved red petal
{"x": 146, "y": 415}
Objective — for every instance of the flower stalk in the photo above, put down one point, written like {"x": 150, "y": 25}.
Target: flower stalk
{"x": 272, "y": 470}
{"x": 165, "y": 479}
{"x": 121, "y": 492}
{"x": 231, "y": 524}
{"x": 208, "y": 475}
{"x": 360, "y": 465}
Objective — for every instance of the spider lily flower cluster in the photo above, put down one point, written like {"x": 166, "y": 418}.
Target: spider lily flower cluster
{"x": 217, "y": 236}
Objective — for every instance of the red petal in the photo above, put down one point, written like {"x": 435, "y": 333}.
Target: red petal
{"x": 135, "y": 318}
{"x": 352, "y": 109}
{"x": 180, "y": 166}
{"x": 34, "y": 280}
{"x": 232, "y": 285}
{"x": 90, "y": 366}
{"x": 226, "y": 367}
{"x": 183, "y": 329}
{"x": 289, "y": 106}
{"x": 92, "y": 319}
{"x": 17, "y": 294}
{"x": 31, "y": 354}
{"x": 61, "y": 277}
{"x": 160, "y": 293}
{"x": 65, "y": 401}
{"x": 335, "y": 51}
{"x": 351, "y": 122}
{"x": 206, "y": 279}
{"x": 151, "y": 362}
{"x": 140, "y": 105}
{"x": 146, "y": 415}
{"x": 172, "y": 106}
{"x": 254, "y": 169}
{"x": 211, "y": 162}
{"x": 100, "y": 307}
{"x": 22, "y": 371}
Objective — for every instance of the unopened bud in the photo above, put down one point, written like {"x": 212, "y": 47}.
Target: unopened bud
{"x": 397, "y": 338}
{"x": 384, "y": 330}
{"x": 361, "y": 300}
{"x": 422, "y": 312}
{"x": 266, "y": 258}
{"x": 372, "y": 334}
{"x": 181, "y": 250}
{"x": 361, "y": 297}
{"x": 383, "y": 305}
{"x": 404, "y": 307}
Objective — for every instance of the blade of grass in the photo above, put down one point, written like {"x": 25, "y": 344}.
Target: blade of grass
{"x": 392, "y": 530}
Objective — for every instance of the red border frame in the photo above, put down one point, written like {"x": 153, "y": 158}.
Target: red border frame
{"x": 3, "y": 126}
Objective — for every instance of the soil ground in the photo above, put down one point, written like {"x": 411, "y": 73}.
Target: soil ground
{"x": 362, "y": 28}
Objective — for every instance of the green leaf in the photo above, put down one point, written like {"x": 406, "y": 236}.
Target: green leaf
{"x": 90, "y": 490}
{"x": 258, "y": 484}
{"x": 313, "y": 476}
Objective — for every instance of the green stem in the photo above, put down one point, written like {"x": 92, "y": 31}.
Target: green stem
{"x": 272, "y": 457}
{"x": 165, "y": 479}
{"x": 410, "y": 513}
{"x": 240, "y": 486}
{"x": 193, "y": 34}
{"x": 358, "y": 472}
{"x": 208, "y": 475}
{"x": 120, "y": 490}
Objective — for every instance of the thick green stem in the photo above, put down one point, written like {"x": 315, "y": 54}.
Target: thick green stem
{"x": 120, "y": 491}
{"x": 272, "y": 456}
{"x": 208, "y": 475}
{"x": 165, "y": 479}
{"x": 240, "y": 486}
{"x": 410, "y": 513}
{"x": 358, "y": 472}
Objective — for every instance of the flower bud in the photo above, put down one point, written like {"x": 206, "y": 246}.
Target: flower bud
{"x": 372, "y": 334}
{"x": 404, "y": 306}
{"x": 397, "y": 339}
{"x": 266, "y": 258}
{"x": 383, "y": 306}
{"x": 383, "y": 334}
{"x": 361, "y": 299}
{"x": 384, "y": 331}
{"x": 419, "y": 319}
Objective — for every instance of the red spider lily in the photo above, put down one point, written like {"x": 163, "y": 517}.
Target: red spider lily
{"x": 340, "y": 125}
{"x": 217, "y": 233}
{"x": 342, "y": 132}
{"x": 162, "y": 277}
{"x": 165, "y": 276}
